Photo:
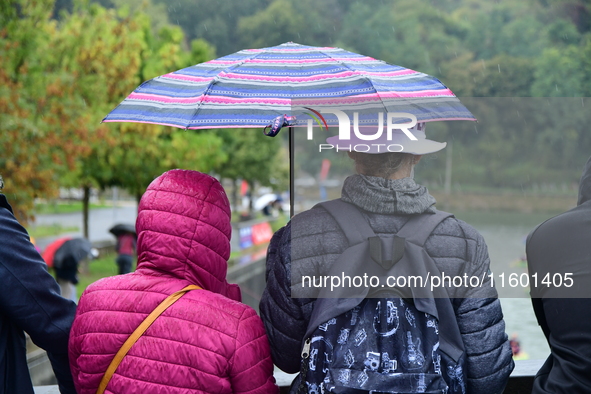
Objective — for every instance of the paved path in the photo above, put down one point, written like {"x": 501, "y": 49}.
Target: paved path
{"x": 100, "y": 220}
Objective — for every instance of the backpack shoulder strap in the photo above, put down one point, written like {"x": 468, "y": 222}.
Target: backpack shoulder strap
{"x": 418, "y": 228}
{"x": 350, "y": 220}
{"x": 356, "y": 228}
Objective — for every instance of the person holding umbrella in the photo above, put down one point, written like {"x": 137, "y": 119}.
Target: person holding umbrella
{"x": 66, "y": 261}
{"x": 125, "y": 248}
{"x": 386, "y": 195}
{"x": 29, "y": 302}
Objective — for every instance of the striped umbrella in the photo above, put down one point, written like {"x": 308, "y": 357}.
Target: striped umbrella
{"x": 252, "y": 87}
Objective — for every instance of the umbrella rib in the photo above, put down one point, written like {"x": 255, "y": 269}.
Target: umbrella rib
{"x": 371, "y": 82}
{"x": 356, "y": 71}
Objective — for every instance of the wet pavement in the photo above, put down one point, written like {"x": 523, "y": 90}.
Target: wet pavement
{"x": 100, "y": 220}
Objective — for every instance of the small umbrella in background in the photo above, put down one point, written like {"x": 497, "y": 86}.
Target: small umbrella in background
{"x": 49, "y": 252}
{"x": 265, "y": 200}
{"x": 77, "y": 248}
{"x": 122, "y": 228}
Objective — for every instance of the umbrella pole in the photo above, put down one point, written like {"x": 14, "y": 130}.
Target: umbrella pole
{"x": 291, "y": 173}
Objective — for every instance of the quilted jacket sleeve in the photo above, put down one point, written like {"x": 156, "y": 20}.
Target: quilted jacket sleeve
{"x": 481, "y": 324}
{"x": 285, "y": 318}
{"x": 251, "y": 368}
{"x": 30, "y": 296}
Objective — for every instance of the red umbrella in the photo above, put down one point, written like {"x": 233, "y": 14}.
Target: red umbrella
{"x": 50, "y": 250}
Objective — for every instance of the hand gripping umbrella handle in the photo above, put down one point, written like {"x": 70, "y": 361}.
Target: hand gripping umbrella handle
{"x": 171, "y": 299}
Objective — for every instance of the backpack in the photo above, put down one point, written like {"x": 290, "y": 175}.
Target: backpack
{"x": 381, "y": 339}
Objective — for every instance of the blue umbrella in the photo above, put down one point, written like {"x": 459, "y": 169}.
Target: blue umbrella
{"x": 250, "y": 88}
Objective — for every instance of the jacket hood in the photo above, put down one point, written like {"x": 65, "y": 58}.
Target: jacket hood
{"x": 387, "y": 196}
{"x": 184, "y": 230}
{"x": 585, "y": 184}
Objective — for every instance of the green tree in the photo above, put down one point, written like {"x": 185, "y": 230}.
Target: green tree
{"x": 45, "y": 126}
{"x": 253, "y": 157}
{"x": 272, "y": 26}
{"x": 504, "y": 27}
{"x": 98, "y": 52}
{"x": 563, "y": 72}
{"x": 137, "y": 153}
{"x": 501, "y": 76}
{"x": 143, "y": 153}
{"x": 214, "y": 21}
{"x": 412, "y": 34}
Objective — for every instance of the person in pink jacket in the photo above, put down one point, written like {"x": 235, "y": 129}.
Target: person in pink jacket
{"x": 206, "y": 342}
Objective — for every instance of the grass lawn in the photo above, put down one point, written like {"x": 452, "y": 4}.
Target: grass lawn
{"x": 50, "y": 230}
{"x": 63, "y": 207}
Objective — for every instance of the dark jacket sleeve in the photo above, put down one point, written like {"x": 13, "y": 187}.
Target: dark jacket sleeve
{"x": 30, "y": 297}
{"x": 480, "y": 319}
{"x": 567, "y": 368}
{"x": 285, "y": 318}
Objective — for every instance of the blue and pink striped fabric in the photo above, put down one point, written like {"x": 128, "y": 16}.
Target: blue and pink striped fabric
{"x": 252, "y": 87}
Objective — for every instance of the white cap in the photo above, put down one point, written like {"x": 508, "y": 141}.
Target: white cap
{"x": 400, "y": 141}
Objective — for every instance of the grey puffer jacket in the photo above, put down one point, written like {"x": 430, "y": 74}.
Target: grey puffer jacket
{"x": 455, "y": 246}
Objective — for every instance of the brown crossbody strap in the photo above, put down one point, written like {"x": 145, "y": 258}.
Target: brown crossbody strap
{"x": 171, "y": 299}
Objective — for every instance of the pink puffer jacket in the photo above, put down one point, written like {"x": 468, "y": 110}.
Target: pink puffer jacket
{"x": 207, "y": 342}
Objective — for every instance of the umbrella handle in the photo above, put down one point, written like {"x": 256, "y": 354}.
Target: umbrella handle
{"x": 291, "y": 173}
{"x": 277, "y": 124}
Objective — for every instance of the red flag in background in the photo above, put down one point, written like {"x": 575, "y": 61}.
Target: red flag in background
{"x": 243, "y": 188}
{"x": 324, "y": 169}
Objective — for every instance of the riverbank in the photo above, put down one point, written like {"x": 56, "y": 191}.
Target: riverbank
{"x": 489, "y": 200}
{"x": 505, "y": 201}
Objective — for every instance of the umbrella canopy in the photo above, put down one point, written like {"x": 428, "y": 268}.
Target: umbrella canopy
{"x": 49, "y": 252}
{"x": 250, "y": 88}
{"x": 78, "y": 248}
{"x": 122, "y": 228}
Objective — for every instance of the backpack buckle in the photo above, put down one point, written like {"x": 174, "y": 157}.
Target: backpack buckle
{"x": 386, "y": 259}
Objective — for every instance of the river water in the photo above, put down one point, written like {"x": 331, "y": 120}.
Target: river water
{"x": 505, "y": 235}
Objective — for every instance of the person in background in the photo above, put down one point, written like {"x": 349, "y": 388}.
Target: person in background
{"x": 518, "y": 353}
{"x": 30, "y": 302}
{"x": 126, "y": 244}
{"x": 558, "y": 253}
{"x": 206, "y": 342}
{"x": 67, "y": 270}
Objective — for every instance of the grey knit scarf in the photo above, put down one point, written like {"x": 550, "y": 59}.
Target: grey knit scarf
{"x": 387, "y": 196}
